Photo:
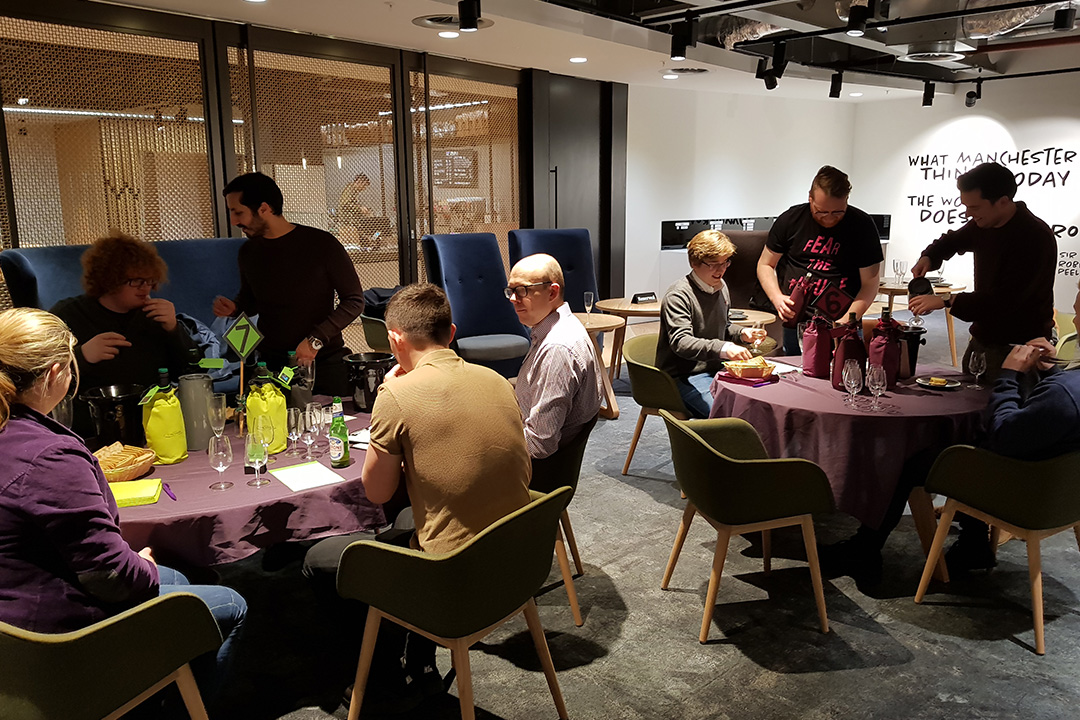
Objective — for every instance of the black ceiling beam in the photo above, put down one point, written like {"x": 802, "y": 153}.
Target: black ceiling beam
{"x": 933, "y": 17}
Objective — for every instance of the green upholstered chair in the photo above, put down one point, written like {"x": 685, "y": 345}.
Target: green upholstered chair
{"x": 563, "y": 467}
{"x": 375, "y": 334}
{"x": 457, "y": 598}
{"x": 106, "y": 669}
{"x": 652, "y": 388}
{"x": 1066, "y": 344}
{"x": 730, "y": 481}
{"x": 1032, "y": 500}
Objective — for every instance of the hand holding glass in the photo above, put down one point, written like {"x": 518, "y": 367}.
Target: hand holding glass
{"x": 221, "y": 457}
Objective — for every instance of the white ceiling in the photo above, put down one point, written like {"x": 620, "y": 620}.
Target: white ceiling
{"x": 530, "y": 34}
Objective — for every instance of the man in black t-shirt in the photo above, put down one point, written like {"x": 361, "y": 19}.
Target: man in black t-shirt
{"x": 836, "y": 244}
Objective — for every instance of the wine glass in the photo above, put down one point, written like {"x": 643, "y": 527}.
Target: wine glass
{"x": 759, "y": 337}
{"x": 977, "y": 366}
{"x": 853, "y": 379}
{"x": 296, "y": 424}
{"x": 899, "y": 267}
{"x": 589, "y": 302}
{"x": 800, "y": 330}
{"x": 308, "y": 429}
{"x": 876, "y": 382}
{"x": 265, "y": 432}
{"x": 255, "y": 456}
{"x": 216, "y": 411}
{"x": 221, "y": 457}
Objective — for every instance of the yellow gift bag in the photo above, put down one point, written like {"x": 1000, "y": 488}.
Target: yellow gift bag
{"x": 268, "y": 400}
{"x": 163, "y": 422}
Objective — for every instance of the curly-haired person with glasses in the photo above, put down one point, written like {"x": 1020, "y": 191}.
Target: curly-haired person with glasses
{"x": 124, "y": 335}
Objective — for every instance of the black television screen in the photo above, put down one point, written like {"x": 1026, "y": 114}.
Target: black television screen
{"x": 675, "y": 234}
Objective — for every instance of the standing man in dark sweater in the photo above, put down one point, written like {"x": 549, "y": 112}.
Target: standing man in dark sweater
{"x": 288, "y": 276}
{"x": 1015, "y": 260}
{"x": 695, "y": 334}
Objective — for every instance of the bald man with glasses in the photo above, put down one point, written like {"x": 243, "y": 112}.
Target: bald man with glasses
{"x": 835, "y": 243}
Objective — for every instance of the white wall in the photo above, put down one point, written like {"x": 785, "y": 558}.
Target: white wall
{"x": 696, "y": 155}
{"x": 1013, "y": 115}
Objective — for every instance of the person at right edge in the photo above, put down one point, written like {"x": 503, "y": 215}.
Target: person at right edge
{"x": 1015, "y": 262}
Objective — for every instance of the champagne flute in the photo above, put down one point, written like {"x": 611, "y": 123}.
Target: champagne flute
{"x": 977, "y": 366}
{"x": 307, "y": 432}
{"x": 313, "y": 410}
{"x": 900, "y": 268}
{"x": 876, "y": 381}
{"x": 853, "y": 379}
{"x": 296, "y": 424}
{"x": 221, "y": 457}
{"x": 216, "y": 411}
{"x": 589, "y": 302}
{"x": 255, "y": 456}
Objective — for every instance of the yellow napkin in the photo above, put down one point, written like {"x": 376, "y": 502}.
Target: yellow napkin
{"x": 136, "y": 492}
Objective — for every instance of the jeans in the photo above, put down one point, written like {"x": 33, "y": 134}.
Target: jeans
{"x": 229, "y": 610}
{"x": 695, "y": 393}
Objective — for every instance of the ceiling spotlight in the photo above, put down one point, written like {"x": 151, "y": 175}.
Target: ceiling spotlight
{"x": 779, "y": 58}
{"x": 855, "y": 94}
{"x": 1065, "y": 19}
{"x": 670, "y": 76}
{"x": 837, "y": 85}
{"x": 449, "y": 34}
{"x": 770, "y": 80}
{"x": 974, "y": 95}
{"x": 928, "y": 94}
{"x": 468, "y": 15}
{"x": 678, "y": 48}
{"x": 579, "y": 60}
{"x": 857, "y": 17}
{"x": 23, "y": 101}
{"x": 683, "y": 35}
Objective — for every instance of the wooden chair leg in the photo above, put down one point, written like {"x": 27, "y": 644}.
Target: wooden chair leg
{"x": 680, "y": 538}
{"x": 935, "y": 548}
{"x": 569, "y": 530}
{"x": 766, "y": 550}
{"x": 536, "y": 629}
{"x": 995, "y": 538}
{"x": 367, "y": 649}
{"x": 568, "y": 577}
{"x": 1034, "y": 552}
{"x": 1076, "y": 532}
{"x": 723, "y": 536}
{"x": 810, "y": 541}
{"x": 189, "y": 692}
{"x": 633, "y": 442}
{"x": 460, "y": 654}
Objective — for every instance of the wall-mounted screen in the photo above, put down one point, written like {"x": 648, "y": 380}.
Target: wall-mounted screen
{"x": 675, "y": 234}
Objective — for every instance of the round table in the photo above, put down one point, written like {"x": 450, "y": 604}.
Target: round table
{"x": 595, "y": 324}
{"x": 205, "y": 527}
{"x": 891, "y": 289}
{"x": 862, "y": 452}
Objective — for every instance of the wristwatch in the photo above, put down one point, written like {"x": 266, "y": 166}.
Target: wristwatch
{"x": 315, "y": 343}
{"x": 947, "y": 302}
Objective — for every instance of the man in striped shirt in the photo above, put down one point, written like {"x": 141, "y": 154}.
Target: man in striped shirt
{"x": 558, "y": 387}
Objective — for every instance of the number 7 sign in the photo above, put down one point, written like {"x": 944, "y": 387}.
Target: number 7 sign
{"x": 243, "y": 336}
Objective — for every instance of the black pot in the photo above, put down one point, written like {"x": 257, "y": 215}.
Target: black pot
{"x": 117, "y": 414}
{"x": 366, "y": 373}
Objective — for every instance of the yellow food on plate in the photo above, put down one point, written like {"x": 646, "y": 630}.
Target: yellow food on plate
{"x": 938, "y": 382}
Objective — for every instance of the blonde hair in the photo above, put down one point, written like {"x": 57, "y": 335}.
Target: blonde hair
{"x": 31, "y": 342}
{"x": 709, "y": 245}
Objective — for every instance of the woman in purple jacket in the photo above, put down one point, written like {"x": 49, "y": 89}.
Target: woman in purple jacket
{"x": 63, "y": 562}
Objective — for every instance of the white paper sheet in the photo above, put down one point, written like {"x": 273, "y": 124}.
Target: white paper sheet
{"x": 784, "y": 368}
{"x": 306, "y": 476}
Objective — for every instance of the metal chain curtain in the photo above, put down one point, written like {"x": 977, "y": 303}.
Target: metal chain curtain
{"x": 326, "y": 135}
{"x": 472, "y": 171}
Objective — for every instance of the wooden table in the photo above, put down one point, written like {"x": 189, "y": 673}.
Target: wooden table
{"x": 596, "y": 323}
{"x": 892, "y": 289}
{"x": 622, "y": 307}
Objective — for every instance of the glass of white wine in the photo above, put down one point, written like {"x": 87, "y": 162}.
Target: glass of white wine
{"x": 589, "y": 297}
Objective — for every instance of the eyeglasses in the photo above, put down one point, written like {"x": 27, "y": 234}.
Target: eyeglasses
{"x": 718, "y": 265}
{"x": 521, "y": 290}
{"x": 140, "y": 283}
{"x": 826, "y": 213}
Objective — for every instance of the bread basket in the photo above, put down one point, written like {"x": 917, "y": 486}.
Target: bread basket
{"x": 750, "y": 369}
{"x": 124, "y": 462}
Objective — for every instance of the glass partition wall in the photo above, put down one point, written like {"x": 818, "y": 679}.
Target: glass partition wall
{"x": 106, "y": 128}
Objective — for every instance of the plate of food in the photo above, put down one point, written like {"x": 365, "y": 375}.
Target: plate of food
{"x": 759, "y": 367}
{"x": 937, "y": 383}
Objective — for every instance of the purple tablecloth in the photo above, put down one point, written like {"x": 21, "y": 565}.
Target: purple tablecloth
{"x": 207, "y": 527}
{"x": 862, "y": 452}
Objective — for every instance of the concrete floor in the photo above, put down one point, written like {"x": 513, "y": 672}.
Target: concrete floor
{"x": 965, "y": 653}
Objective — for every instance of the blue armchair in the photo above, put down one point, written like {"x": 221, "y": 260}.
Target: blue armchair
{"x": 572, "y": 248}
{"x": 468, "y": 267}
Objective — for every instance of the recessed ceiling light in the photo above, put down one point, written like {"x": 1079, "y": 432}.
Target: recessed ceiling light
{"x": 671, "y": 76}
{"x": 448, "y": 34}
{"x": 23, "y": 101}
{"x": 579, "y": 59}
{"x": 855, "y": 94}
{"x": 255, "y": 1}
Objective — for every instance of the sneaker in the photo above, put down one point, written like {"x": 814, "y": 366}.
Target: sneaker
{"x": 854, "y": 557}
{"x": 428, "y": 682}
{"x": 970, "y": 552}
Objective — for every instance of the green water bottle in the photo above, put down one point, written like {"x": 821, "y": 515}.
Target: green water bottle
{"x": 339, "y": 438}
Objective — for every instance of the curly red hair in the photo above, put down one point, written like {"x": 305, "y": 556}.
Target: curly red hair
{"x": 113, "y": 260}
